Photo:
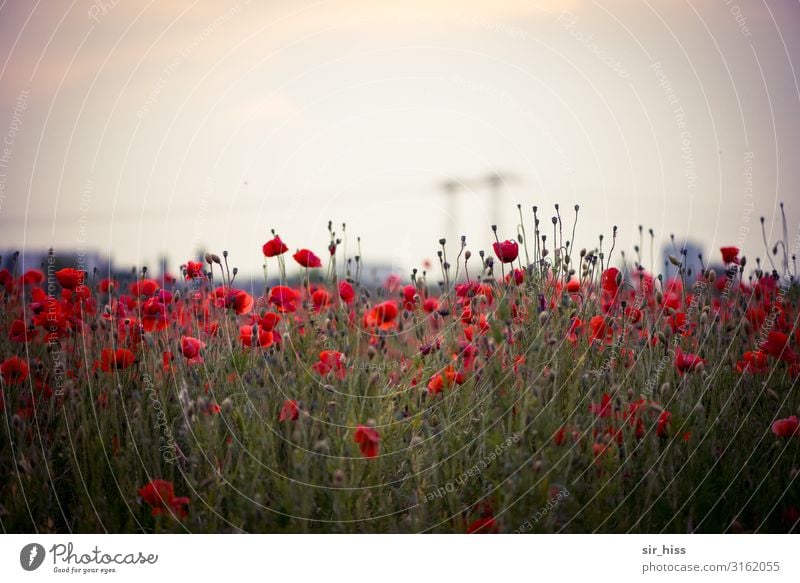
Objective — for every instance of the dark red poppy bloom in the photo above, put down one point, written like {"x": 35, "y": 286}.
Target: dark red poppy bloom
{"x": 662, "y": 425}
{"x": 118, "y": 359}
{"x": 14, "y": 370}
{"x": 154, "y": 315}
{"x": 283, "y": 298}
{"x": 194, "y": 269}
{"x": 265, "y": 337}
{"x": 331, "y": 361}
{"x": 346, "y": 292}
{"x": 430, "y": 305}
{"x": 274, "y": 247}
{"x": 70, "y": 278}
{"x": 777, "y": 346}
{"x": 144, "y": 287}
{"x": 573, "y": 286}
{"x": 604, "y": 408}
{"x": 32, "y": 277}
{"x": 18, "y": 332}
{"x": 383, "y": 315}
{"x": 506, "y": 251}
{"x": 268, "y": 321}
{"x": 106, "y": 284}
{"x": 239, "y": 300}
{"x": 368, "y": 440}
{"x": 289, "y": 411}
{"x": 600, "y": 331}
{"x": 190, "y": 347}
{"x": 754, "y": 362}
{"x": 321, "y": 299}
{"x": 686, "y": 362}
{"x": 307, "y": 259}
{"x": 730, "y": 255}
{"x": 485, "y": 525}
{"x": 786, "y": 427}
{"x": 160, "y": 496}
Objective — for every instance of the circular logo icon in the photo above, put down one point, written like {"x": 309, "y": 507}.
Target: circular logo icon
{"x": 31, "y": 556}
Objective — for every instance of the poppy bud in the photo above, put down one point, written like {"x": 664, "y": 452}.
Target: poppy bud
{"x": 674, "y": 260}
{"x": 215, "y": 258}
{"x": 208, "y": 258}
{"x": 467, "y": 255}
{"x": 711, "y": 276}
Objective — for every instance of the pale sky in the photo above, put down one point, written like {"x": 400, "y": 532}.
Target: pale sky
{"x": 166, "y": 126}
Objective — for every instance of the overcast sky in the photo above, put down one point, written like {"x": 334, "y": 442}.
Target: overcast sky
{"x": 167, "y": 126}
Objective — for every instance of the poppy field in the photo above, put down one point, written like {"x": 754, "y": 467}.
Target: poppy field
{"x": 530, "y": 387}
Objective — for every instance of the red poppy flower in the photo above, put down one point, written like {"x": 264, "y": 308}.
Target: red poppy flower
{"x": 265, "y": 337}
{"x": 32, "y": 277}
{"x": 118, "y": 359}
{"x": 754, "y": 362}
{"x": 307, "y": 259}
{"x": 289, "y": 411}
{"x": 144, "y": 287}
{"x": 160, "y": 496}
{"x": 730, "y": 254}
{"x": 14, "y": 370}
{"x": 686, "y": 362}
{"x": 662, "y": 425}
{"x": 18, "y": 332}
{"x": 274, "y": 247}
{"x": 283, "y": 298}
{"x": 70, "y": 278}
{"x": 239, "y": 300}
{"x": 485, "y": 525}
{"x": 786, "y": 427}
{"x": 346, "y": 292}
{"x": 382, "y": 315}
{"x": 368, "y": 440}
{"x": 331, "y": 361}
{"x": 506, "y": 251}
{"x": 154, "y": 315}
{"x": 268, "y": 321}
{"x": 573, "y": 286}
{"x": 599, "y": 331}
{"x": 106, "y": 284}
{"x": 777, "y": 346}
{"x": 194, "y": 269}
{"x": 604, "y": 408}
{"x": 430, "y": 305}
{"x": 321, "y": 299}
{"x": 190, "y": 347}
